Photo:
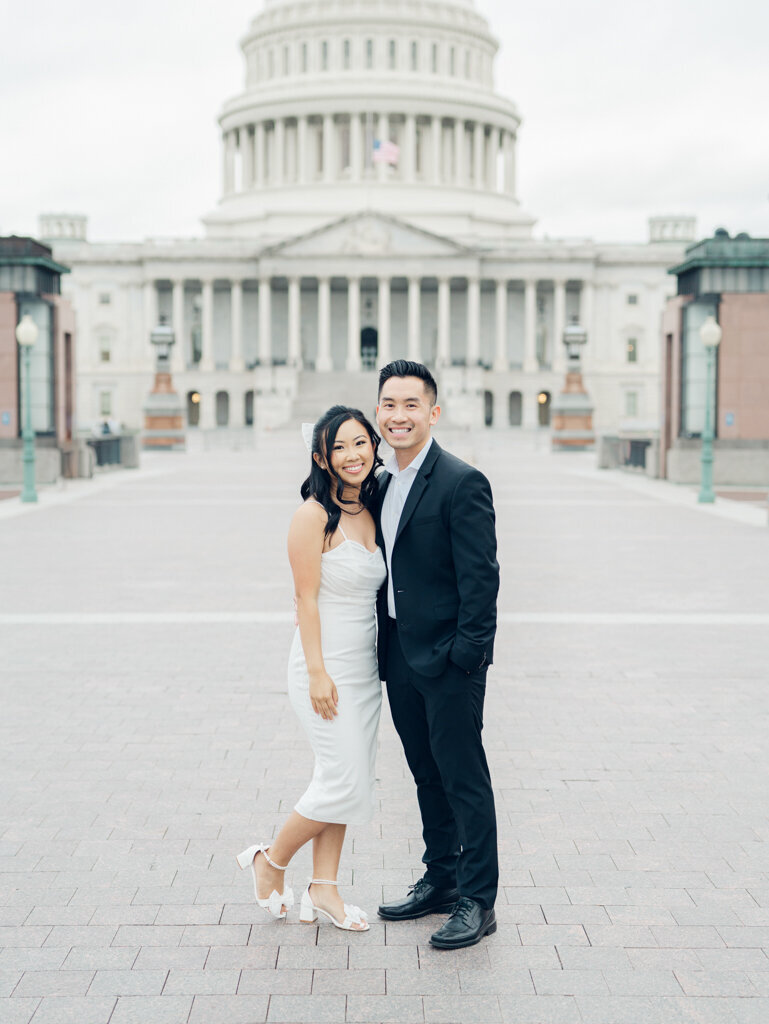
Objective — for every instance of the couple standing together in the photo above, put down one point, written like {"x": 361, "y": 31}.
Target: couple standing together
{"x": 415, "y": 549}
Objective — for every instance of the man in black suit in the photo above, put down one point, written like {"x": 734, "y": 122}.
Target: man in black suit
{"x": 437, "y": 621}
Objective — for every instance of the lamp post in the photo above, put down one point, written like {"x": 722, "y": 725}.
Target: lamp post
{"x": 710, "y": 336}
{"x": 26, "y": 335}
{"x": 572, "y": 410}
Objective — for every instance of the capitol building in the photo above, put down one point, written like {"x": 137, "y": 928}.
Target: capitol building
{"x": 369, "y": 210}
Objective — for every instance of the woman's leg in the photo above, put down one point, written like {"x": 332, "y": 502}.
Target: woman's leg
{"x": 296, "y": 831}
{"x": 326, "y": 854}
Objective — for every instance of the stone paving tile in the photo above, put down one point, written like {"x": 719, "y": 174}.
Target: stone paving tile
{"x": 309, "y": 1009}
{"x": 453, "y": 1009}
{"x": 157, "y": 1009}
{"x": 28, "y": 959}
{"x": 189, "y": 958}
{"x": 32, "y": 937}
{"x": 275, "y": 982}
{"x": 425, "y": 981}
{"x": 75, "y": 1010}
{"x": 715, "y": 983}
{"x": 17, "y": 1011}
{"x": 245, "y": 1009}
{"x": 194, "y": 914}
{"x": 341, "y": 982}
{"x": 383, "y": 956}
{"x": 128, "y": 983}
{"x": 235, "y": 957}
{"x": 553, "y": 935}
{"x": 205, "y": 982}
{"x": 216, "y": 935}
{"x": 54, "y": 983}
{"x": 517, "y": 1009}
{"x": 499, "y": 982}
{"x": 385, "y": 1009}
{"x": 569, "y": 982}
{"x": 330, "y": 957}
{"x": 149, "y": 935}
{"x": 642, "y": 982}
{"x": 8, "y": 982}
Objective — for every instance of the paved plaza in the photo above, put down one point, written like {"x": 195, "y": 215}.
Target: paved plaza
{"x": 145, "y": 619}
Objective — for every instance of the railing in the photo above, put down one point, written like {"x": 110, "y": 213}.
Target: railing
{"x": 106, "y": 449}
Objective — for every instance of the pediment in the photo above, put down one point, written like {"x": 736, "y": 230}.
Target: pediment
{"x": 368, "y": 234}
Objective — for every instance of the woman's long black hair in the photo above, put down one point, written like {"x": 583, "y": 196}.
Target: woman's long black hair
{"x": 318, "y": 484}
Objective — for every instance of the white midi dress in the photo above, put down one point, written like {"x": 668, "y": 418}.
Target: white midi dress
{"x": 342, "y": 785}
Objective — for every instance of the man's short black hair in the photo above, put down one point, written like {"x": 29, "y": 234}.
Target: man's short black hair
{"x": 408, "y": 368}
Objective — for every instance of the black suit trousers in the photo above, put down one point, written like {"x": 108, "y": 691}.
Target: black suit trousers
{"x": 439, "y": 721}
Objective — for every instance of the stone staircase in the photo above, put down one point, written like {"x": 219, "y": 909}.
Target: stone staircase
{"x": 317, "y": 391}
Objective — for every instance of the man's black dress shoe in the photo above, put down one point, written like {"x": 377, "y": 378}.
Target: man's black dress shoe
{"x": 422, "y": 899}
{"x": 468, "y": 924}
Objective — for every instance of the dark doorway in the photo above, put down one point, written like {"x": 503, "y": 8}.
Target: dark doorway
{"x": 193, "y": 408}
{"x": 248, "y": 412}
{"x": 543, "y": 400}
{"x": 369, "y": 342}
{"x": 488, "y": 408}
{"x": 515, "y": 409}
{"x": 222, "y": 408}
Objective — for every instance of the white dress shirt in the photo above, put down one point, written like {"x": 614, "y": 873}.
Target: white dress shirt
{"x": 392, "y": 507}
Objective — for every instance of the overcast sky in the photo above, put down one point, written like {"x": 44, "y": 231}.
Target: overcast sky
{"x": 629, "y": 109}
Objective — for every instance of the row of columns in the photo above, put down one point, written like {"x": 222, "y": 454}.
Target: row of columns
{"x": 324, "y": 363}
{"x": 289, "y": 153}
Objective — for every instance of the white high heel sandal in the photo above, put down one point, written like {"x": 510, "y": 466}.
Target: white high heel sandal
{"x": 276, "y": 900}
{"x": 308, "y": 912}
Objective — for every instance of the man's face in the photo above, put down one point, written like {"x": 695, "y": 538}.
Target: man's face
{"x": 404, "y": 414}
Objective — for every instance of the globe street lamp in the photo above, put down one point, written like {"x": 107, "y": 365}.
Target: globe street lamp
{"x": 26, "y": 335}
{"x": 710, "y": 336}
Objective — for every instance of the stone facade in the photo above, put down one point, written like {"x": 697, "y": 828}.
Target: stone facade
{"x": 369, "y": 211}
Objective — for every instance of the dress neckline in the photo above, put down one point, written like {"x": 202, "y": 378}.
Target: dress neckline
{"x": 357, "y": 543}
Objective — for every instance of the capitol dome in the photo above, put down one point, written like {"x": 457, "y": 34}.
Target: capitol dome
{"x": 355, "y": 105}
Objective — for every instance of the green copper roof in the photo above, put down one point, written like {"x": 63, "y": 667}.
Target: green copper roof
{"x": 723, "y": 251}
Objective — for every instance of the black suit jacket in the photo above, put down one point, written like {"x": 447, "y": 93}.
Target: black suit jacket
{"x": 444, "y": 569}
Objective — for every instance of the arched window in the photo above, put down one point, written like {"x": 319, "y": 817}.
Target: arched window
{"x": 488, "y": 408}
{"x": 222, "y": 408}
{"x": 515, "y": 409}
{"x": 248, "y": 408}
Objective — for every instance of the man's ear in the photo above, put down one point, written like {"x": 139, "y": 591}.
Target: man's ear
{"x": 435, "y": 414}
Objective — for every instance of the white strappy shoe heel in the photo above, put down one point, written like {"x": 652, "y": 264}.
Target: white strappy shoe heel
{"x": 275, "y": 901}
{"x": 308, "y": 912}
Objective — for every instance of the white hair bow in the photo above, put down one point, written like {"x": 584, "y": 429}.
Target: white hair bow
{"x": 308, "y": 430}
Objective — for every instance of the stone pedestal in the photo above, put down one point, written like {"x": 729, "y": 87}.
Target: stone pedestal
{"x": 571, "y": 416}
{"x": 163, "y": 417}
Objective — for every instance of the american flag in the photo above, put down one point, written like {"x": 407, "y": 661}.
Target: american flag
{"x": 386, "y": 152}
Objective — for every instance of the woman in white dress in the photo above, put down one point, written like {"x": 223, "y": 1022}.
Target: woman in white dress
{"x": 333, "y": 679}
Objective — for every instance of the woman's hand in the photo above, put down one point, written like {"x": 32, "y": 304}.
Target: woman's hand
{"x": 323, "y": 695}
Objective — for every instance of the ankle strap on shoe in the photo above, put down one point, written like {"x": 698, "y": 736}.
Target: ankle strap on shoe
{"x": 269, "y": 859}
{"x": 322, "y": 881}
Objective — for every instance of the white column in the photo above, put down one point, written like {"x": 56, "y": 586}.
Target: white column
{"x": 500, "y": 347}
{"x": 259, "y": 155}
{"x": 444, "y": 313}
{"x": 498, "y": 187}
{"x": 294, "y": 330}
{"x": 436, "y": 132}
{"x": 410, "y": 156}
{"x": 356, "y": 147}
{"x": 237, "y": 365}
{"x": 207, "y": 327}
{"x": 353, "y": 324}
{"x": 558, "y": 361}
{"x": 279, "y": 169}
{"x": 207, "y": 409}
{"x": 301, "y": 150}
{"x": 324, "y": 363}
{"x": 150, "y": 309}
{"x": 414, "y": 317}
{"x": 586, "y": 305}
{"x": 382, "y": 133}
{"x": 383, "y": 335}
{"x": 509, "y": 164}
{"x": 179, "y": 351}
{"x": 329, "y": 156}
{"x": 473, "y": 321}
{"x": 491, "y": 160}
{"x": 265, "y": 321}
{"x": 530, "y": 362}
{"x": 459, "y": 151}
{"x": 247, "y": 158}
{"x": 478, "y": 153}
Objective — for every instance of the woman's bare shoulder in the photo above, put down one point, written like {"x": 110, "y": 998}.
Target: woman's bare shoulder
{"x": 309, "y": 514}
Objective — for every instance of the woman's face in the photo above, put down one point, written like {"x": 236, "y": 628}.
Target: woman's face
{"x": 352, "y": 454}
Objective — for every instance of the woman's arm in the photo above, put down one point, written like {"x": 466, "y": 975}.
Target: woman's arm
{"x": 305, "y": 547}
